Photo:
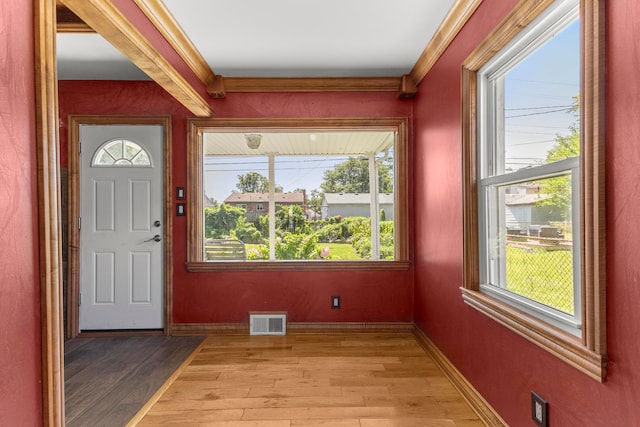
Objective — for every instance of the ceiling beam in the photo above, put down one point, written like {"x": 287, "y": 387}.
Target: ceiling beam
{"x": 459, "y": 14}
{"x": 110, "y": 22}
{"x": 313, "y": 84}
{"x": 166, "y": 23}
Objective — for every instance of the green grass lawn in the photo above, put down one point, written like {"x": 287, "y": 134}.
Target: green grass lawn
{"x": 543, "y": 276}
{"x": 341, "y": 251}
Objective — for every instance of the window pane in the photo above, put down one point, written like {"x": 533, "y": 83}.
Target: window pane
{"x": 131, "y": 149}
{"x": 533, "y": 255}
{"x": 103, "y": 158}
{"x": 115, "y": 149}
{"x": 540, "y": 104}
{"x": 323, "y": 203}
{"x": 121, "y": 153}
{"x": 141, "y": 159}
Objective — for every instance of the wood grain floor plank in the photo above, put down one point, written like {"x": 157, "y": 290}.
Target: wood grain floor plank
{"x": 326, "y": 423}
{"x": 316, "y": 392}
{"x": 408, "y": 422}
{"x": 315, "y": 413}
{"x": 190, "y": 418}
{"x": 258, "y": 403}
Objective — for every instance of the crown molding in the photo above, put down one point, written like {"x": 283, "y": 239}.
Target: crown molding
{"x": 314, "y": 84}
{"x": 458, "y": 16}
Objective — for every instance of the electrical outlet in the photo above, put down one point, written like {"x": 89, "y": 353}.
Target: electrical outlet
{"x": 335, "y": 302}
{"x": 539, "y": 410}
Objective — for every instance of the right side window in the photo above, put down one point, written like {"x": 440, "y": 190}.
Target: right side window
{"x": 529, "y": 170}
{"x": 532, "y": 248}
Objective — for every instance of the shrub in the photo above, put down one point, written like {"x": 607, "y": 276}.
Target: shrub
{"x": 246, "y": 231}
{"x": 361, "y": 239}
{"x": 220, "y": 220}
{"x": 291, "y": 219}
{"x": 263, "y": 224}
{"x": 297, "y": 246}
{"x": 330, "y": 233}
{"x": 387, "y": 247}
{"x": 258, "y": 252}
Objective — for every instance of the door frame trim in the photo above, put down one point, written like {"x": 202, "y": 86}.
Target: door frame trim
{"x": 47, "y": 146}
{"x": 73, "y": 289}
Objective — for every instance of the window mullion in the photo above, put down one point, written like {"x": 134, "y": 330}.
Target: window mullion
{"x": 538, "y": 172}
{"x": 374, "y": 210}
{"x": 497, "y": 140}
{"x": 272, "y": 208}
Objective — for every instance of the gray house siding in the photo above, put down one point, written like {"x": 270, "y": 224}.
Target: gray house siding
{"x": 346, "y": 205}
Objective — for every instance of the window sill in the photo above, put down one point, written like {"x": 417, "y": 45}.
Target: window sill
{"x": 563, "y": 345}
{"x": 296, "y": 266}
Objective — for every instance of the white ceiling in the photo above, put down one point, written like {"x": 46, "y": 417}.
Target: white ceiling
{"x": 301, "y": 143}
{"x": 85, "y": 56}
{"x": 279, "y": 38}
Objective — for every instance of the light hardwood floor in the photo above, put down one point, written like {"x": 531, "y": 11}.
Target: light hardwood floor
{"x": 340, "y": 379}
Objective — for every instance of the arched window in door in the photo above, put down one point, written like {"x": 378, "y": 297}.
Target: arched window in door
{"x": 121, "y": 153}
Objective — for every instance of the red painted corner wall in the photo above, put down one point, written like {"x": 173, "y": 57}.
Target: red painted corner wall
{"x": 20, "y": 371}
{"x": 227, "y": 297}
{"x": 502, "y": 366}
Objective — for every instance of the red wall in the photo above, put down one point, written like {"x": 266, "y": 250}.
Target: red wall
{"x": 500, "y": 364}
{"x": 20, "y": 378}
{"x": 221, "y": 297}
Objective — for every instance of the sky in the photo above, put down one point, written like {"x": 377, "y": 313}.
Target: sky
{"x": 538, "y": 93}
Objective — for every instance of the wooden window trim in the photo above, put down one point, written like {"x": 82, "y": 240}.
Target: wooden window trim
{"x": 588, "y": 354}
{"x": 195, "y": 128}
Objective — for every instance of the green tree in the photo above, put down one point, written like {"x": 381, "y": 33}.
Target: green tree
{"x": 252, "y": 182}
{"x": 558, "y": 189}
{"x": 220, "y": 220}
{"x": 352, "y": 176}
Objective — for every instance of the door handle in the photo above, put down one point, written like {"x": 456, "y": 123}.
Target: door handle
{"x": 155, "y": 238}
{"x": 156, "y": 224}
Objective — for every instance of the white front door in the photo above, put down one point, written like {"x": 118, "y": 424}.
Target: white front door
{"x": 121, "y": 249}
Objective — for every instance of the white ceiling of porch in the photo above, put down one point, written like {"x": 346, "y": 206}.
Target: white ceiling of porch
{"x": 321, "y": 143}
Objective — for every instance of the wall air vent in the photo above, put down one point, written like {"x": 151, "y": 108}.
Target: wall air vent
{"x": 267, "y": 323}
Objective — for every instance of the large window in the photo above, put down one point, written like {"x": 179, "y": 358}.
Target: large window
{"x": 533, "y": 192}
{"x": 297, "y": 194}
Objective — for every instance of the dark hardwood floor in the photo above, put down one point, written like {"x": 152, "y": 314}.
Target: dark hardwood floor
{"x": 108, "y": 380}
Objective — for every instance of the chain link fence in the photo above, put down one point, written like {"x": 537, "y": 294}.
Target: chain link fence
{"x": 539, "y": 266}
